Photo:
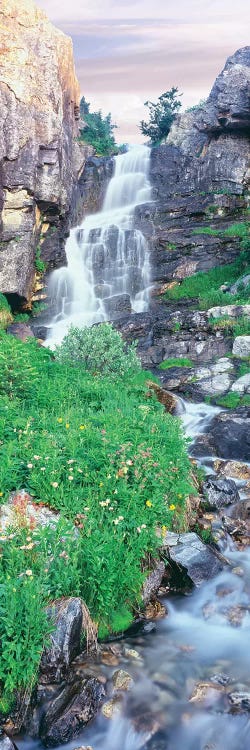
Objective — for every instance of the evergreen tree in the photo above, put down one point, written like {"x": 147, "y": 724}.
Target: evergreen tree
{"x": 161, "y": 116}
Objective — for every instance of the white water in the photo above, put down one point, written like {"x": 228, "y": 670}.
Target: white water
{"x": 106, "y": 257}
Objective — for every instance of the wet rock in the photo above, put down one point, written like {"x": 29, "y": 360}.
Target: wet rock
{"x": 187, "y": 552}
{"x": 130, "y": 653}
{"x": 6, "y": 743}
{"x": 155, "y": 610}
{"x": 65, "y": 640}
{"x": 153, "y": 581}
{"x": 117, "y": 305}
{"x": 207, "y": 693}
{"x": 112, "y": 708}
{"x": 241, "y": 346}
{"x": 164, "y": 397}
{"x": 219, "y": 492}
{"x": 76, "y": 705}
{"x": 122, "y": 680}
{"x": 241, "y": 510}
{"x": 242, "y": 282}
{"x": 84, "y": 747}
{"x": 240, "y": 701}
{"x": 233, "y": 469}
{"x": 20, "y": 331}
{"x": 229, "y": 434}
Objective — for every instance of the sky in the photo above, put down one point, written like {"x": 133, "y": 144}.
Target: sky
{"x": 129, "y": 51}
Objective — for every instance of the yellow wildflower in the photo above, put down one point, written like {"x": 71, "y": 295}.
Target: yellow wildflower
{"x": 101, "y": 484}
{"x": 172, "y": 507}
{"x": 82, "y": 427}
{"x": 149, "y": 504}
{"x": 163, "y": 530}
{"x": 1, "y": 494}
{"x": 67, "y": 425}
{"x": 59, "y": 420}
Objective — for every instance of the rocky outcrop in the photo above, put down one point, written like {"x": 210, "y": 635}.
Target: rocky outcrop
{"x": 40, "y": 157}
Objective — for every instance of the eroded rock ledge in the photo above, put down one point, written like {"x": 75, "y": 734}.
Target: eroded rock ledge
{"x": 40, "y": 157}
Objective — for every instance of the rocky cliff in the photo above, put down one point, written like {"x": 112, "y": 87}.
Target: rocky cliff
{"x": 200, "y": 181}
{"x": 40, "y": 157}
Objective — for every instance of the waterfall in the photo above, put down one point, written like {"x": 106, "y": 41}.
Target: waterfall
{"x": 107, "y": 272}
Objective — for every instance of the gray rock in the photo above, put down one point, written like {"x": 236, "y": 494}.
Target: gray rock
{"x": 153, "y": 581}
{"x": 243, "y": 281}
{"x": 228, "y": 435}
{"x": 6, "y": 743}
{"x": 241, "y": 346}
{"x": 219, "y": 492}
{"x": 64, "y": 640}
{"x": 240, "y": 701}
{"x": 189, "y": 553}
{"x": 117, "y": 305}
{"x": 20, "y": 331}
{"x": 242, "y": 385}
{"x": 76, "y": 705}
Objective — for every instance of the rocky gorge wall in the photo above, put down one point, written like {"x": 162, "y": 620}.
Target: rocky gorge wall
{"x": 200, "y": 180}
{"x": 40, "y": 157}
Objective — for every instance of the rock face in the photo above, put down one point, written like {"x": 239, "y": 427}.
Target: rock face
{"x": 188, "y": 553}
{"x": 64, "y": 641}
{"x": 39, "y": 153}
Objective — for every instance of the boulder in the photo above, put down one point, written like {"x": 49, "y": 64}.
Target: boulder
{"x": 219, "y": 492}
{"x": 75, "y": 706}
{"x": 64, "y": 640}
{"x": 20, "y": 331}
{"x": 242, "y": 385}
{"x": 241, "y": 346}
{"x": 117, "y": 305}
{"x": 229, "y": 434}
{"x": 5, "y": 742}
{"x": 153, "y": 581}
{"x": 188, "y": 553}
{"x": 122, "y": 680}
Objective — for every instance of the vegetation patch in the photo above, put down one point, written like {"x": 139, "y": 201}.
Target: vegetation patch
{"x": 5, "y": 312}
{"x": 233, "y": 326}
{"x": 175, "y": 362}
{"x": 93, "y": 446}
{"x": 232, "y": 400}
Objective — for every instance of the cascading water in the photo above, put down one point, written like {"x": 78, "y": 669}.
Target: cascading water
{"x": 108, "y": 265}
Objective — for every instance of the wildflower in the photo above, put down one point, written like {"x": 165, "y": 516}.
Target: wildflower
{"x": 54, "y": 484}
{"x": 37, "y": 458}
{"x": 71, "y": 461}
{"x": 143, "y": 526}
{"x": 102, "y": 504}
{"x": 28, "y": 539}
{"x": 82, "y": 427}
{"x": 116, "y": 521}
{"x": 109, "y": 476}
{"x": 149, "y": 504}
{"x": 79, "y": 471}
{"x": 179, "y": 496}
{"x": 163, "y": 531}
{"x": 30, "y": 466}
{"x": 101, "y": 484}
{"x": 28, "y": 573}
{"x": 129, "y": 462}
{"x": 86, "y": 508}
{"x": 70, "y": 478}
{"x": 46, "y": 458}
{"x": 14, "y": 589}
{"x": 108, "y": 501}
{"x": 59, "y": 419}
{"x": 121, "y": 518}
{"x": 172, "y": 507}
{"x": 64, "y": 554}
{"x": 138, "y": 529}
{"x": 115, "y": 492}
{"x": 67, "y": 425}
{"x": 1, "y": 494}
{"x": 42, "y": 468}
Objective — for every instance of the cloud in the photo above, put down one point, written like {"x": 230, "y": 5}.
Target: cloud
{"x": 124, "y": 57}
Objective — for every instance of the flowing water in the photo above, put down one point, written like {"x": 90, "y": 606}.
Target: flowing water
{"x": 107, "y": 270}
{"x": 204, "y": 639}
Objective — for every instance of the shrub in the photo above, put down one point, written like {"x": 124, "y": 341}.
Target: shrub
{"x": 5, "y": 312}
{"x": 99, "y": 349}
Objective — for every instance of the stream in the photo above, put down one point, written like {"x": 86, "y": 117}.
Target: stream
{"x": 191, "y": 669}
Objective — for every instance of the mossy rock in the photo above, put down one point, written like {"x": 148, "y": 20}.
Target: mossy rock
{"x": 5, "y": 319}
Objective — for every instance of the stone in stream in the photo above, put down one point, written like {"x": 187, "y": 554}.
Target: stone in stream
{"x": 228, "y": 436}
{"x": 240, "y": 701}
{"x": 5, "y": 742}
{"x": 112, "y": 707}
{"x": 73, "y": 708}
{"x": 188, "y": 554}
{"x": 218, "y": 492}
{"x": 122, "y": 680}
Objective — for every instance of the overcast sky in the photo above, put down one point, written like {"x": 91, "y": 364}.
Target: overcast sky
{"x": 128, "y": 51}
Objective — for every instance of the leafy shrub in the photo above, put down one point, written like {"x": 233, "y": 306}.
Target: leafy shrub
{"x": 99, "y": 349}
{"x": 232, "y": 400}
{"x": 161, "y": 115}
{"x": 40, "y": 265}
{"x": 98, "y": 130}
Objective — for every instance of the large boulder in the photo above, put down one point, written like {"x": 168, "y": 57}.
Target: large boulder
{"x": 75, "y": 706}
{"x": 187, "y": 553}
{"x": 219, "y": 492}
{"x": 66, "y": 615}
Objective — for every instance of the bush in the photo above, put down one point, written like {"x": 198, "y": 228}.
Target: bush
{"x": 99, "y": 349}
{"x": 161, "y": 116}
{"x": 98, "y": 131}
{"x": 175, "y": 362}
{"x": 5, "y": 312}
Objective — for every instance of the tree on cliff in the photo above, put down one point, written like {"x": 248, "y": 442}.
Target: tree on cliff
{"x": 161, "y": 116}
{"x": 98, "y": 130}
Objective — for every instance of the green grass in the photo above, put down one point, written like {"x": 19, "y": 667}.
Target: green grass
{"x": 91, "y": 447}
{"x": 232, "y": 400}
{"x": 233, "y": 326}
{"x": 205, "y": 286}
{"x": 175, "y": 362}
